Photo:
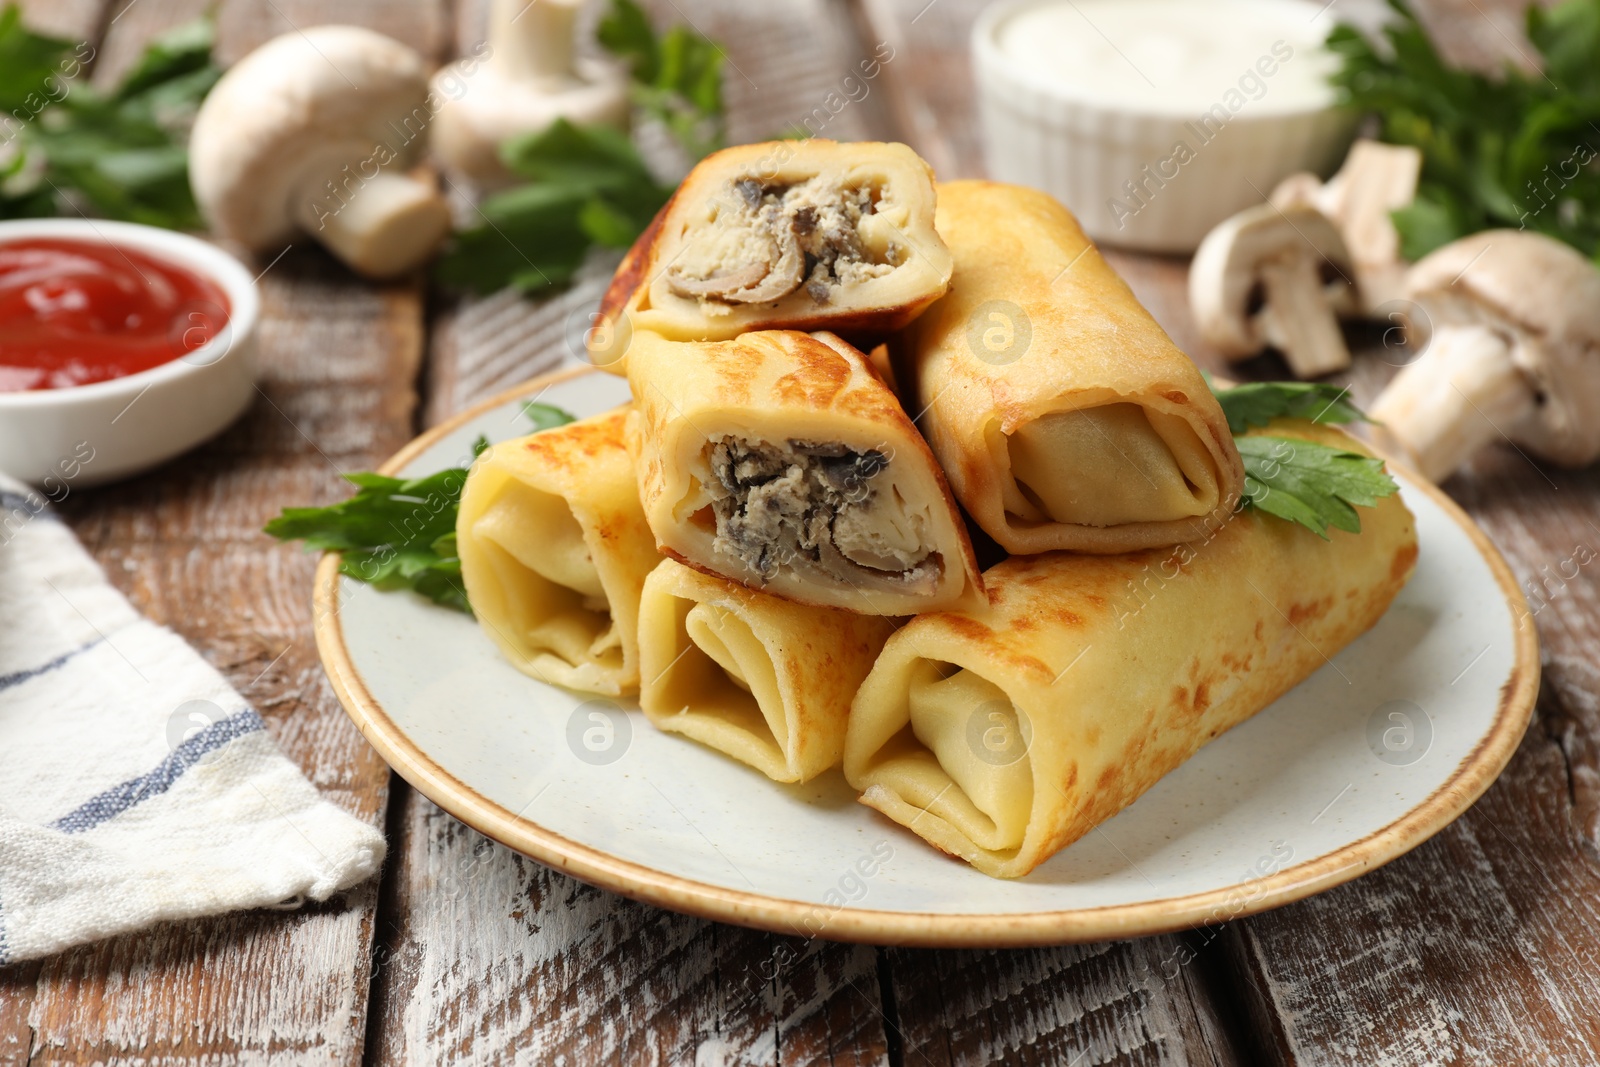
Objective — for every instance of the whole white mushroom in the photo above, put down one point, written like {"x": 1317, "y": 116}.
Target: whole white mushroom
{"x": 1512, "y": 352}
{"x": 313, "y": 133}
{"x": 529, "y": 79}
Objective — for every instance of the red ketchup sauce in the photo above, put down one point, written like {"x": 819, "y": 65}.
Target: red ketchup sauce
{"x": 74, "y": 312}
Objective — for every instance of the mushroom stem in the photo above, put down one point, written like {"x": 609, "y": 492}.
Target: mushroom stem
{"x": 1459, "y": 395}
{"x": 384, "y": 227}
{"x": 1298, "y": 319}
{"x": 532, "y": 39}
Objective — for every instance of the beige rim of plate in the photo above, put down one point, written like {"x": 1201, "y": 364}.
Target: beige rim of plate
{"x": 1470, "y": 780}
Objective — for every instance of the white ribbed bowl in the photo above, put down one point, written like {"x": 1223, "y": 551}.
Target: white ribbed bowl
{"x": 1082, "y": 151}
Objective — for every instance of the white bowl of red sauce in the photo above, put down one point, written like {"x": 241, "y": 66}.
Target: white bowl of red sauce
{"x": 121, "y": 346}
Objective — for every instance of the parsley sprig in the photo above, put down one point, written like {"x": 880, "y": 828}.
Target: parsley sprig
{"x": 400, "y": 533}
{"x": 677, "y": 78}
{"x": 1314, "y": 484}
{"x": 1514, "y": 149}
{"x": 395, "y": 533}
{"x": 119, "y": 154}
{"x": 588, "y": 185}
{"x": 1258, "y": 403}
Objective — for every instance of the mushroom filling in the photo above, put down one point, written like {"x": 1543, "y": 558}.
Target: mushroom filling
{"x": 824, "y": 509}
{"x": 765, "y": 241}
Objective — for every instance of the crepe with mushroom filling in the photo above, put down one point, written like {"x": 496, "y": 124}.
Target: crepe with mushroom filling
{"x": 1003, "y": 735}
{"x": 1063, "y": 415}
{"x": 790, "y": 234}
{"x": 765, "y": 680}
{"x": 554, "y": 552}
{"x": 781, "y": 461}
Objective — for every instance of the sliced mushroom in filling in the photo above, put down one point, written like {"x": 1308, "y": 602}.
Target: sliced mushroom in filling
{"x": 767, "y": 240}
{"x": 821, "y": 510}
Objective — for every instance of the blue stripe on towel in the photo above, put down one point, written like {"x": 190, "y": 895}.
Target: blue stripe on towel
{"x": 9, "y": 680}
{"x": 32, "y": 503}
{"x": 115, "y": 801}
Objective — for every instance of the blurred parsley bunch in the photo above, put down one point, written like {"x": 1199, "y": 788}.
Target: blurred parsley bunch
{"x": 66, "y": 146}
{"x": 588, "y": 185}
{"x": 1516, "y": 151}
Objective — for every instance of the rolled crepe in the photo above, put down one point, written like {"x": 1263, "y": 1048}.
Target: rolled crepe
{"x": 781, "y": 461}
{"x": 1003, "y": 735}
{"x": 789, "y": 234}
{"x": 1063, "y": 415}
{"x": 554, "y": 552}
{"x": 764, "y": 680}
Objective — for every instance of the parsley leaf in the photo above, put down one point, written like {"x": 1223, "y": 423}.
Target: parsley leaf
{"x": 119, "y": 154}
{"x": 394, "y": 533}
{"x": 622, "y": 196}
{"x": 677, "y": 79}
{"x": 400, "y": 533}
{"x": 1510, "y": 149}
{"x": 30, "y": 64}
{"x": 529, "y": 238}
{"x": 588, "y": 185}
{"x": 1258, "y": 403}
{"x": 1313, "y": 484}
{"x": 1302, "y": 481}
{"x": 544, "y": 416}
{"x": 625, "y": 32}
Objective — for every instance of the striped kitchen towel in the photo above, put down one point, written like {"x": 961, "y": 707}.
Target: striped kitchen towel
{"x": 135, "y": 785}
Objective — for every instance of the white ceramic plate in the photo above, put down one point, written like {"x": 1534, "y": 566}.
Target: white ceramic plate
{"x": 1364, "y": 760}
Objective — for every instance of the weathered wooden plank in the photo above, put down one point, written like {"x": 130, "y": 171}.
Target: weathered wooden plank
{"x": 1484, "y": 35}
{"x": 73, "y": 20}
{"x": 339, "y": 359}
{"x": 242, "y": 26}
{"x": 491, "y": 956}
{"x": 1115, "y": 1002}
{"x": 486, "y": 955}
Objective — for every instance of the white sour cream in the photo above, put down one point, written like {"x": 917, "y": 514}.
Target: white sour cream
{"x": 1175, "y": 56}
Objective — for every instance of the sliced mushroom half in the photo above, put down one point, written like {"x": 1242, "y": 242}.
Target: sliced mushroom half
{"x": 1276, "y": 277}
{"x": 1375, "y": 180}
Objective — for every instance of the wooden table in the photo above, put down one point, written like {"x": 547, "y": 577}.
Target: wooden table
{"x": 1480, "y": 947}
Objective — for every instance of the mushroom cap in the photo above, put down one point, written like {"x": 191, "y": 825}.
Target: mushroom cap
{"x": 1226, "y": 267}
{"x": 482, "y": 109}
{"x": 1543, "y": 296}
{"x": 288, "y": 117}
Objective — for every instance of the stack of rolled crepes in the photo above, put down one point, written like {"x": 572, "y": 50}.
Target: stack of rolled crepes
{"x": 768, "y": 551}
